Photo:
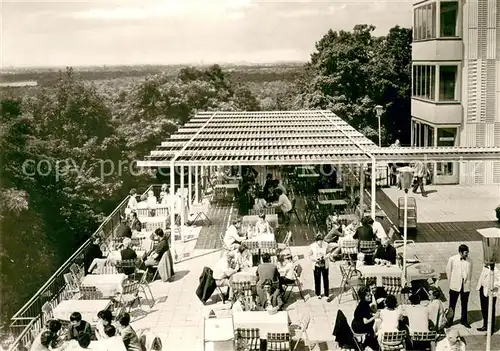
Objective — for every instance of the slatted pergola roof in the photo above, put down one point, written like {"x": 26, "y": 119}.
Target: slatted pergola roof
{"x": 286, "y": 138}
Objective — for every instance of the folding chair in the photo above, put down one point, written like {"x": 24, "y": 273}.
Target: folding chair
{"x": 90, "y": 293}
{"x": 244, "y": 288}
{"x": 302, "y": 326}
{"x": 128, "y": 296}
{"x": 47, "y": 311}
{"x": 269, "y": 247}
{"x": 392, "y": 285}
{"x": 201, "y": 210}
{"x": 393, "y": 341}
{"x": 348, "y": 249}
{"x": 77, "y": 271}
{"x": 71, "y": 285}
{"x": 294, "y": 211}
{"x": 348, "y": 282}
{"x": 367, "y": 247}
{"x": 297, "y": 271}
{"x": 285, "y": 245}
{"x": 253, "y": 248}
{"x": 278, "y": 342}
{"x": 423, "y": 340}
{"x": 247, "y": 339}
{"x": 219, "y": 287}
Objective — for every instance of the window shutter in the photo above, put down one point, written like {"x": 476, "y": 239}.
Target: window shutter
{"x": 496, "y": 172}
{"x": 473, "y": 99}
{"x": 479, "y": 170}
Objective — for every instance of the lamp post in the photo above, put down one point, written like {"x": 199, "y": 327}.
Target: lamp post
{"x": 406, "y": 177}
{"x": 379, "y": 110}
{"x": 491, "y": 256}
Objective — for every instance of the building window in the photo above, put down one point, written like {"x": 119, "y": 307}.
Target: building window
{"x": 424, "y": 22}
{"x": 424, "y": 80}
{"x": 448, "y": 14}
{"x": 446, "y": 136}
{"x": 448, "y": 83}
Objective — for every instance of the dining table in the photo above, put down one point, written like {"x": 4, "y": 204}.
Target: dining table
{"x": 252, "y": 219}
{"x": 107, "y": 284}
{"x": 218, "y": 334}
{"x": 87, "y": 308}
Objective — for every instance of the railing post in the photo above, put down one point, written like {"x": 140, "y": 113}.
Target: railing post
{"x": 182, "y": 204}
{"x": 172, "y": 207}
{"x": 190, "y": 187}
{"x": 197, "y": 186}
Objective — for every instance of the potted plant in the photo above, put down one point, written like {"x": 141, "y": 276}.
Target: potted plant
{"x": 497, "y": 211}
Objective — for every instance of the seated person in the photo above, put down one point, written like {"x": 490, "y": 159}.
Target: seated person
{"x": 333, "y": 234}
{"x": 260, "y": 202}
{"x": 135, "y": 224}
{"x": 418, "y": 315}
{"x": 113, "y": 341}
{"x": 287, "y": 271}
{"x": 82, "y": 342}
{"x": 241, "y": 304}
{"x": 153, "y": 257}
{"x": 364, "y": 317}
{"x": 379, "y": 293}
{"x": 365, "y": 232}
{"x": 267, "y": 271}
{"x": 78, "y": 327}
{"x": 269, "y": 299}
{"x": 123, "y": 230}
{"x": 360, "y": 259}
{"x": 243, "y": 257}
{"x": 105, "y": 317}
{"x": 224, "y": 269}
{"x": 128, "y": 254}
{"x": 389, "y": 317}
{"x": 437, "y": 312}
{"x": 152, "y": 199}
{"x": 385, "y": 252}
{"x": 378, "y": 229}
{"x": 452, "y": 342}
{"x": 93, "y": 252}
{"x": 350, "y": 229}
{"x": 129, "y": 336}
{"x": 262, "y": 226}
{"x": 42, "y": 341}
{"x": 232, "y": 239}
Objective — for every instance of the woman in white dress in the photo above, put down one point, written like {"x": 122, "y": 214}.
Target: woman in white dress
{"x": 388, "y": 318}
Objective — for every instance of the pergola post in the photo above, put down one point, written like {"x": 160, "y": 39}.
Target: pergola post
{"x": 196, "y": 185}
{"x": 190, "y": 187}
{"x": 172, "y": 207}
{"x": 374, "y": 186}
{"x": 202, "y": 177}
{"x": 362, "y": 190}
{"x": 183, "y": 203}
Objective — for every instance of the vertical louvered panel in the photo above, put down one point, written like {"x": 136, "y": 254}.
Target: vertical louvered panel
{"x": 482, "y": 25}
{"x": 497, "y": 24}
{"x": 491, "y": 103}
{"x": 479, "y": 172}
{"x": 480, "y": 135}
{"x": 473, "y": 97}
{"x": 473, "y": 44}
{"x": 489, "y": 137}
{"x": 497, "y": 134}
{"x": 470, "y": 135}
{"x": 491, "y": 39}
{"x": 488, "y": 172}
{"x": 492, "y": 13}
{"x": 496, "y": 172}
{"x": 467, "y": 172}
{"x": 483, "y": 93}
{"x": 472, "y": 13}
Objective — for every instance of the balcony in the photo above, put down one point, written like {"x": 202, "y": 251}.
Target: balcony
{"x": 438, "y": 50}
{"x": 437, "y": 112}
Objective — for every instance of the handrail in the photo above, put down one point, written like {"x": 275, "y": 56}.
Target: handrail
{"x": 18, "y": 316}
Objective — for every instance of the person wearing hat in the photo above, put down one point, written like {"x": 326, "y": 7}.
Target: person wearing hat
{"x": 320, "y": 258}
{"x": 452, "y": 342}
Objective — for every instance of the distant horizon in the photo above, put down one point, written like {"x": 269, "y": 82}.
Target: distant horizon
{"x": 90, "y": 33}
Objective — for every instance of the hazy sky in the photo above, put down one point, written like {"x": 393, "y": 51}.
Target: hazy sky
{"x": 98, "y": 32}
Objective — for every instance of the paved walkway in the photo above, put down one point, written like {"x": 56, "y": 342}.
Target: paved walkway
{"x": 178, "y": 315}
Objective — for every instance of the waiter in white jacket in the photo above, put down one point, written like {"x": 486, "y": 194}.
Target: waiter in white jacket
{"x": 459, "y": 274}
{"x": 483, "y": 286}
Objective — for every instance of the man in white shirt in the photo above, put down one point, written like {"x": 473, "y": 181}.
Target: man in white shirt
{"x": 232, "y": 239}
{"x": 284, "y": 204}
{"x": 483, "y": 286}
{"x": 132, "y": 202}
{"x": 459, "y": 273}
{"x": 420, "y": 171}
{"x": 418, "y": 315}
{"x": 378, "y": 229}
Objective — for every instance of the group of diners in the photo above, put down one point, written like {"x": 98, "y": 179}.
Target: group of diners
{"x": 81, "y": 335}
{"x": 378, "y": 312}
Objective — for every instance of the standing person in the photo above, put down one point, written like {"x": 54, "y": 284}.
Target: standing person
{"x": 320, "y": 259}
{"x": 420, "y": 171}
{"x": 459, "y": 273}
{"x": 483, "y": 286}
{"x": 135, "y": 224}
{"x": 132, "y": 202}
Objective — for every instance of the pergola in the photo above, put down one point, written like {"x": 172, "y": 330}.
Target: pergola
{"x": 273, "y": 138}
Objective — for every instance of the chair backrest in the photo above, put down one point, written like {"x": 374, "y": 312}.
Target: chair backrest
{"x": 252, "y": 246}
{"x": 304, "y": 320}
{"x": 278, "y": 341}
{"x": 247, "y": 339}
{"x": 267, "y": 245}
{"x": 423, "y": 336}
{"x": 367, "y": 246}
{"x": 76, "y": 270}
{"x": 70, "y": 281}
{"x": 287, "y": 239}
{"x": 47, "y": 311}
{"x": 393, "y": 338}
{"x": 297, "y": 270}
{"x": 391, "y": 282}
{"x": 90, "y": 293}
{"x": 130, "y": 288}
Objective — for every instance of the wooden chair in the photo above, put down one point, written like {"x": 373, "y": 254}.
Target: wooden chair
{"x": 90, "y": 293}
{"x": 278, "y": 342}
{"x": 393, "y": 341}
{"x": 302, "y": 326}
{"x": 247, "y": 339}
{"x": 297, "y": 270}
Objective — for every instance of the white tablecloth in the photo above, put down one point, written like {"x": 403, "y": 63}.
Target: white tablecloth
{"x": 88, "y": 309}
{"x": 107, "y": 284}
{"x": 265, "y": 322}
{"x": 380, "y": 271}
{"x": 272, "y": 219}
{"x": 263, "y": 237}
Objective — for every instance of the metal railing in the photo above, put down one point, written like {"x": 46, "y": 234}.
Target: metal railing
{"x": 29, "y": 319}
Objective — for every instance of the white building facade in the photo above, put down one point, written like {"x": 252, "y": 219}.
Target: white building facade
{"x": 456, "y": 83}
